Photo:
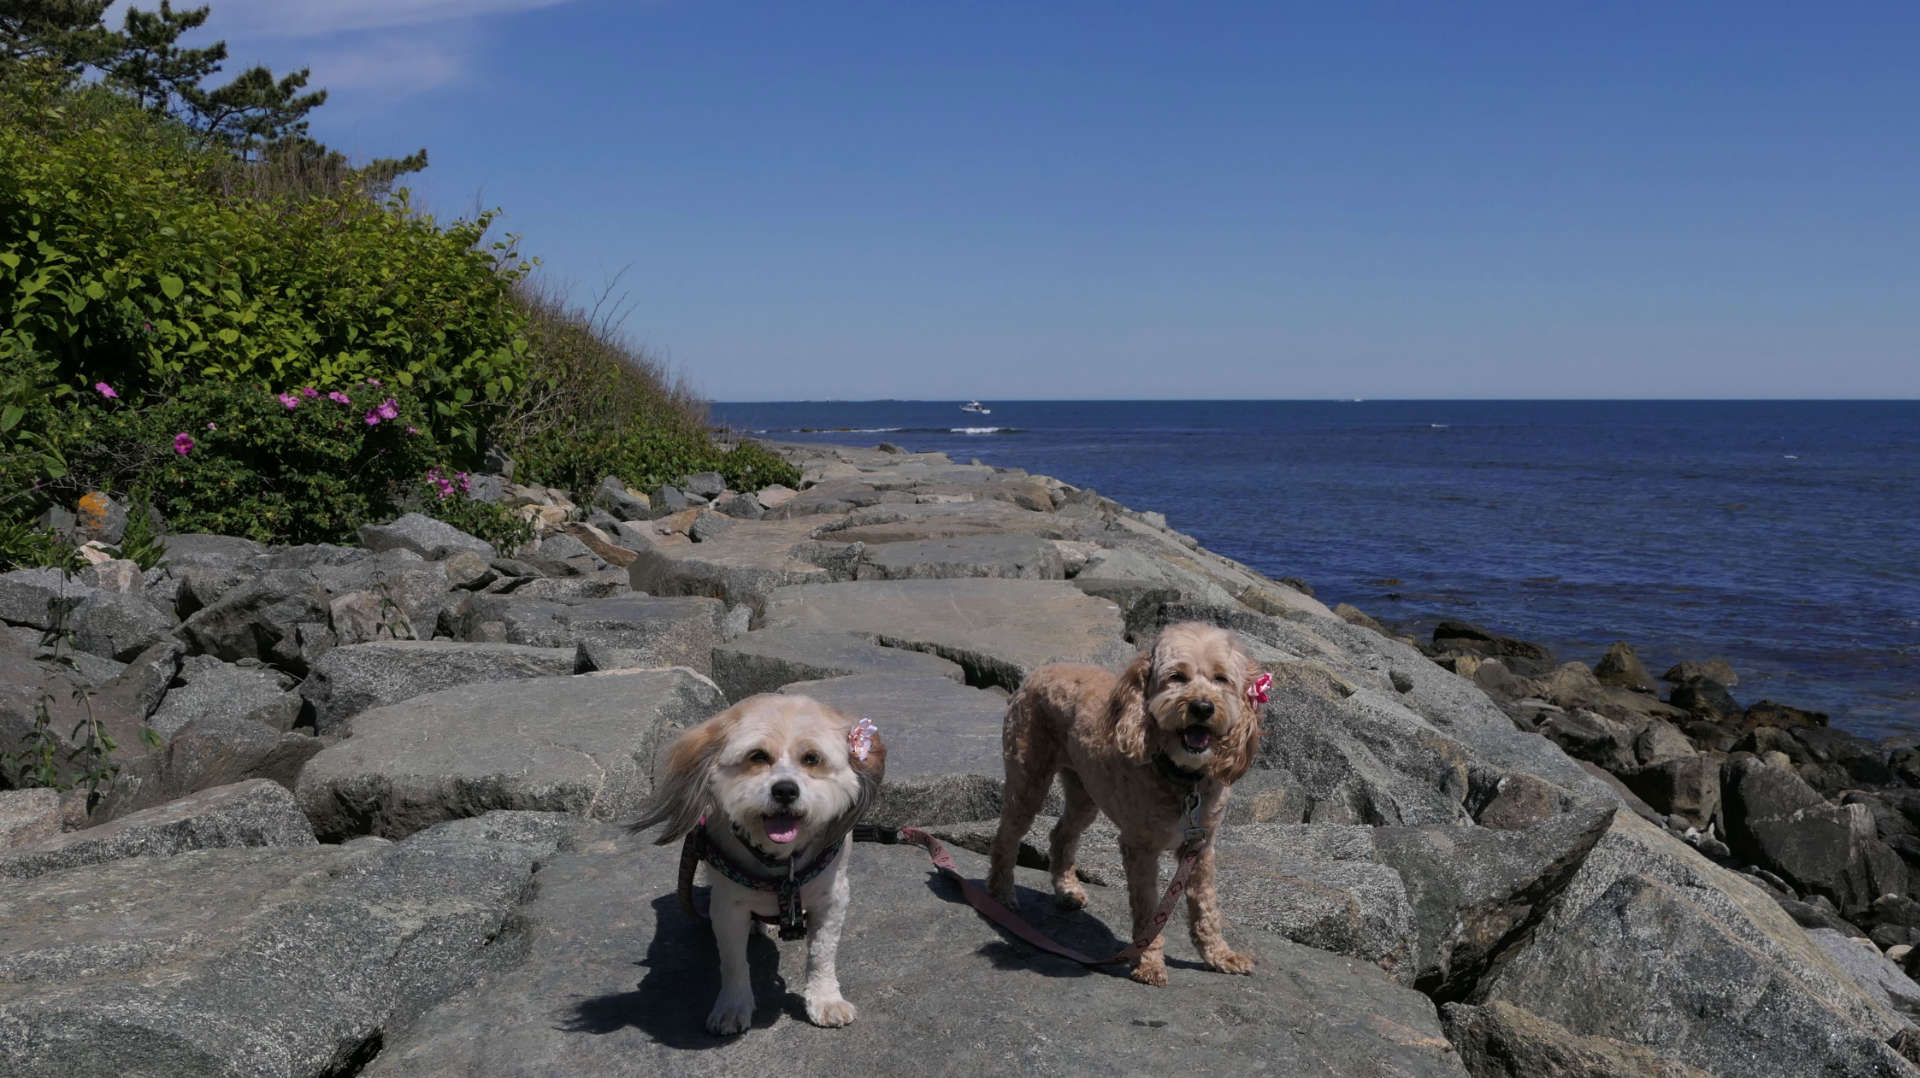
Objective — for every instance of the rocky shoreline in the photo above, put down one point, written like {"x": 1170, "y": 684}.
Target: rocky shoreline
{"x": 378, "y": 834}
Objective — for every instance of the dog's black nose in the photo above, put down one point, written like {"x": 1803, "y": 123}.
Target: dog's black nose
{"x": 1200, "y": 709}
{"x": 786, "y": 791}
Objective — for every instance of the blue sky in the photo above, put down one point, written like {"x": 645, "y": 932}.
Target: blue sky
{"x": 1032, "y": 200}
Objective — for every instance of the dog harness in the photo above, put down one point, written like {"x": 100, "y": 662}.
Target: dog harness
{"x": 792, "y": 918}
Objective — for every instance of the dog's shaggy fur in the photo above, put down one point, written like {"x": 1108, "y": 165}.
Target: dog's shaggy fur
{"x": 776, "y": 783}
{"x": 1184, "y": 698}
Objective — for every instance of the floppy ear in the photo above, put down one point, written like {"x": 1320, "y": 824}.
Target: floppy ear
{"x": 680, "y": 789}
{"x": 1243, "y": 740}
{"x": 1127, "y": 707}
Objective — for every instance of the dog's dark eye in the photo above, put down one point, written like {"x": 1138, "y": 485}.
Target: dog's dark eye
{"x": 1177, "y": 678}
{"x": 811, "y": 759}
{"x": 1221, "y": 678}
{"x": 759, "y": 756}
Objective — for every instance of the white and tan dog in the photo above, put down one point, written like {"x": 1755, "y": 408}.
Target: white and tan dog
{"x": 765, "y": 793}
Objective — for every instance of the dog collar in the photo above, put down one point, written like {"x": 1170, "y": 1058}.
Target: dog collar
{"x": 786, "y": 888}
{"x": 1193, "y": 828}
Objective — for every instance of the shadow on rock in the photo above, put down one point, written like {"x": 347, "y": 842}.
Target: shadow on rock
{"x": 671, "y": 1002}
{"x": 1077, "y": 929}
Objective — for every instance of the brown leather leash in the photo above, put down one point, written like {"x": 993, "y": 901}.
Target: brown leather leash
{"x": 979, "y": 899}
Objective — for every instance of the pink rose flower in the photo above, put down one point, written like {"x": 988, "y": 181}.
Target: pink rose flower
{"x": 210, "y": 426}
{"x": 105, "y": 390}
{"x": 182, "y": 443}
{"x": 339, "y": 397}
{"x": 309, "y": 392}
{"x": 290, "y": 401}
{"x": 373, "y": 381}
{"x": 389, "y": 409}
{"x": 373, "y": 417}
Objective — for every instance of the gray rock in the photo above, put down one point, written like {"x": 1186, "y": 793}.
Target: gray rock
{"x": 270, "y": 962}
{"x": 1661, "y": 741}
{"x": 201, "y": 586}
{"x": 1475, "y": 891}
{"x": 228, "y": 692}
{"x": 1687, "y": 787}
{"x": 742, "y": 506}
{"x": 630, "y": 631}
{"x": 118, "y": 626}
{"x": 573, "y": 744}
{"x": 316, "y": 556}
{"x": 260, "y": 620}
{"x": 351, "y": 679}
{"x": 1651, "y": 944}
{"x": 708, "y": 526}
{"x": 1122, "y": 574}
{"x": 1778, "y": 822}
{"x": 468, "y": 571}
{"x": 708, "y": 485}
{"x": 115, "y": 575}
{"x": 616, "y": 498}
{"x": 1871, "y": 970}
{"x": 775, "y": 496}
{"x": 26, "y": 595}
{"x": 743, "y": 565}
{"x": 1705, "y": 698}
{"x": 666, "y": 501}
{"x": 409, "y": 591}
{"x": 425, "y": 536}
{"x": 1019, "y": 557}
{"x": 943, "y": 743}
{"x": 1501, "y": 1040}
{"x": 572, "y": 1006}
{"x": 915, "y": 523}
{"x": 763, "y": 661}
{"x": 998, "y": 630}
{"x": 1621, "y": 668}
{"x": 27, "y": 817}
{"x": 212, "y": 552}
{"x": 1587, "y": 735}
{"x": 252, "y": 813}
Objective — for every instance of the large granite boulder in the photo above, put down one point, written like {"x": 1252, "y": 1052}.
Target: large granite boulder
{"x": 583, "y": 745}
{"x": 26, "y": 595}
{"x": 212, "y": 689}
{"x": 1778, "y": 822}
{"x": 252, "y": 813}
{"x": 744, "y": 564}
{"x": 118, "y": 625}
{"x": 277, "y": 962}
{"x": 1020, "y": 557}
{"x": 1651, "y": 944}
{"x": 266, "y": 618}
{"x": 943, "y": 743}
{"x": 999, "y": 630}
{"x": 425, "y": 536}
{"x": 764, "y": 660}
{"x": 1501, "y": 1040}
{"x": 571, "y": 1006}
{"x": 351, "y": 679}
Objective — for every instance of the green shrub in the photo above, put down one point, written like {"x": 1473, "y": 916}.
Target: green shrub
{"x": 444, "y": 496}
{"x": 120, "y": 261}
{"x": 299, "y": 466}
{"x": 750, "y": 466}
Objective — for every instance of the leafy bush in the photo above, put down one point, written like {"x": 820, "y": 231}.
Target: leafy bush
{"x": 447, "y": 498}
{"x": 121, "y": 262}
{"x": 299, "y": 466}
{"x": 750, "y": 466}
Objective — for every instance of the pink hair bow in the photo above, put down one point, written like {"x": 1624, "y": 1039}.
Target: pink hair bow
{"x": 860, "y": 738}
{"x": 1257, "y": 688}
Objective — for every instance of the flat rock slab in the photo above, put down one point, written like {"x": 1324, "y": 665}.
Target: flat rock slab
{"x": 258, "y": 962}
{"x": 999, "y": 630}
{"x": 581, "y": 744}
{"x": 1017, "y": 557}
{"x": 257, "y": 812}
{"x": 943, "y": 743}
{"x": 352, "y": 679}
{"x": 740, "y": 565}
{"x": 764, "y": 660}
{"x": 622, "y": 986}
{"x": 911, "y": 523}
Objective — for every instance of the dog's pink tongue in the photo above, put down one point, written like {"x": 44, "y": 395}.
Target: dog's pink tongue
{"x": 783, "y": 829}
{"x": 1197, "y": 737}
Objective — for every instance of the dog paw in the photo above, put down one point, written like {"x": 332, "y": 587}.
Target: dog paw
{"x": 1153, "y": 973}
{"x": 1226, "y": 961}
{"x": 1006, "y": 898}
{"x": 830, "y": 1011}
{"x": 730, "y": 1016}
{"x": 1070, "y": 897}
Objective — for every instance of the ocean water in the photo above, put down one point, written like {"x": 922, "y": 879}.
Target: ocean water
{"x": 1782, "y": 536}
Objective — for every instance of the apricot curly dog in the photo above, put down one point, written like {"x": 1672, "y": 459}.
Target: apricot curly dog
{"x": 1181, "y": 719}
